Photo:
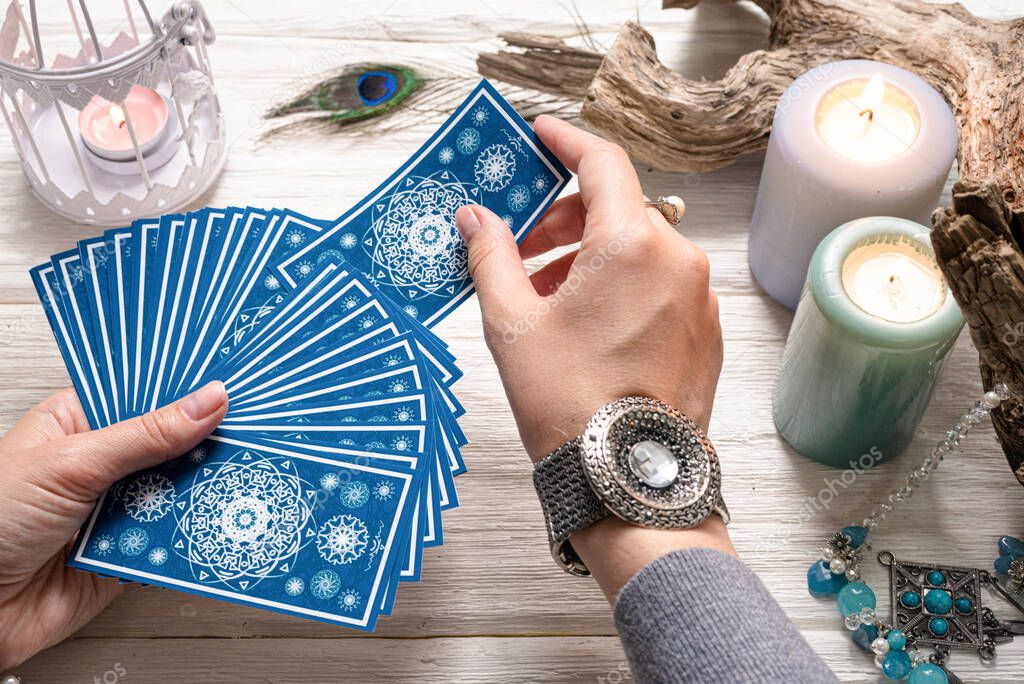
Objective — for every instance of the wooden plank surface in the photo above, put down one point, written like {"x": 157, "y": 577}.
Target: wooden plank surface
{"x": 492, "y": 606}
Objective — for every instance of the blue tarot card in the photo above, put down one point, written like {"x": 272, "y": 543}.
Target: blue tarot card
{"x": 241, "y": 520}
{"x": 403, "y": 234}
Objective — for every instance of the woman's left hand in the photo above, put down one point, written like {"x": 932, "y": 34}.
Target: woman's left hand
{"x": 52, "y": 472}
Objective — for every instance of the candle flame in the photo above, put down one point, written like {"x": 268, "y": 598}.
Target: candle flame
{"x": 872, "y": 96}
{"x": 117, "y": 115}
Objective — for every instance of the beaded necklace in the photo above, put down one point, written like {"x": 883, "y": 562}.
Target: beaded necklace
{"x": 933, "y": 605}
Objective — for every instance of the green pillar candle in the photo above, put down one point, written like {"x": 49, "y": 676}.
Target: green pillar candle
{"x": 872, "y": 330}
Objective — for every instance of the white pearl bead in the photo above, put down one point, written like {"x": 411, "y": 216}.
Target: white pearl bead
{"x": 837, "y": 566}
{"x": 990, "y": 400}
{"x": 828, "y": 553}
{"x": 10, "y": 679}
{"x": 677, "y": 203}
{"x": 880, "y": 646}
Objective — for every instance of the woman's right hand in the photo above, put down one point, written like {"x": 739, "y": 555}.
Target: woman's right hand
{"x": 630, "y": 312}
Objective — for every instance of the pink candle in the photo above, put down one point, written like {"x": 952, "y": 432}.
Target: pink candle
{"x": 104, "y": 125}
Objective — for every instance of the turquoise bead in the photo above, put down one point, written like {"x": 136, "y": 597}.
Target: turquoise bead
{"x": 938, "y": 601}
{"x": 855, "y": 596}
{"x": 896, "y": 665}
{"x": 1011, "y": 546}
{"x": 863, "y": 636}
{"x": 1003, "y": 564}
{"x": 928, "y": 673}
{"x": 964, "y": 604}
{"x": 910, "y": 599}
{"x": 896, "y": 639}
{"x": 936, "y": 578}
{"x": 858, "y": 534}
{"x": 938, "y": 626}
{"x": 821, "y": 582}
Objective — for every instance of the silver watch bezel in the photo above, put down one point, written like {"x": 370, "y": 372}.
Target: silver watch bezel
{"x": 604, "y": 453}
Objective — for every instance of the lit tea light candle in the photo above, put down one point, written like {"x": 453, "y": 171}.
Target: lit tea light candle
{"x": 107, "y": 128}
{"x": 849, "y": 139}
{"x": 871, "y": 333}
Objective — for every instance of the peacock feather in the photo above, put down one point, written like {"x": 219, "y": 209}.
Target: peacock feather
{"x": 357, "y": 93}
{"x": 377, "y": 98}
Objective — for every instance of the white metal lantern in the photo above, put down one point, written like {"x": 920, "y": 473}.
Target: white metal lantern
{"x": 122, "y": 123}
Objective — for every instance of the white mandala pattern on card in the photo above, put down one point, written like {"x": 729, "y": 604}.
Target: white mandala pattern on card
{"x": 294, "y": 238}
{"x": 148, "y": 497}
{"x": 133, "y": 541}
{"x": 507, "y": 218}
{"x": 383, "y": 490}
{"x": 304, "y": 268}
{"x": 294, "y": 586}
{"x": 244, "y": 520}
{"x": 479, "y": 115}
{"x": 354, "y": 494}
{"x": 495, "y": 167}
{"x": 349, "y": 600}
{"x": 468, "y": 140}
{"x": 325, "y": 584}
{"x": 103, "y": 545}
{"x": 272, "y": 283}
{"x": 330, "y": 481}
{"x": 540, "y": 183}
{"x": 342, "y": 539}
{"x": 518, "y": 198}
{"x": 446, "y": 155}
{"x": 157, "y": 556}
{"x": 413, "y": 240}
{"x": 348, "y": 241}
{"x": 197, "y": 455}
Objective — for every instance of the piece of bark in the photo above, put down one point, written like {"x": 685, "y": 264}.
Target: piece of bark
{"x": 677, "y": 124}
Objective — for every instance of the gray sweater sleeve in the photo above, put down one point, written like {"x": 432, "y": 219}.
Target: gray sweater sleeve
{"x": 700, "y": 615}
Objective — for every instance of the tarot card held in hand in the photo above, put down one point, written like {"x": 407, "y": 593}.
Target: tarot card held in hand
{"x": 329, "y": 475}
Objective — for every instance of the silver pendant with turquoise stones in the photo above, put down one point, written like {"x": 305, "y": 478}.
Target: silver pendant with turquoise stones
{"x": 941, "y": 606}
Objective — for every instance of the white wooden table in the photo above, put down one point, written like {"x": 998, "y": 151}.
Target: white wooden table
{"x": 492, "y": 606}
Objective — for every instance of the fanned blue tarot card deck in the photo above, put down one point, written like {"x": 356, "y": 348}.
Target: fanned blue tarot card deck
{"x": 329, "y": 475}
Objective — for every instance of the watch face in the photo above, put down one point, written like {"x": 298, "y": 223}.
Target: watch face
{"x": 650, "y": 464}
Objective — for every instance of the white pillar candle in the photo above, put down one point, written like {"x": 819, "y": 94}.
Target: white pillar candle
{"x": 849, "y": 139}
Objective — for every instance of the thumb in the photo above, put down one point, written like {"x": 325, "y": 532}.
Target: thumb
{"x": 92, "y": 461}
{"x": 494, "y": 261}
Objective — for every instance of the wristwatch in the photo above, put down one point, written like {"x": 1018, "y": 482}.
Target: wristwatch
{"x": 638, "y": 459}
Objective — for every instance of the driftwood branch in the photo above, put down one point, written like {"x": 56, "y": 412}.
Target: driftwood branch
{"x": 678, "y": 124}
{"x": 978, "y": 242}
{"x": 542, "y": 63}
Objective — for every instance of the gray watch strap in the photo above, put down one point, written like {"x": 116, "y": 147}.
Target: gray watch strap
{"x": 569, "y": 502}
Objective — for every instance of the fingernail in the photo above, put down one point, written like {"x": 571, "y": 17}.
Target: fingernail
{"x": 468, "y": 223}
{"x": 204, "y": 401}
